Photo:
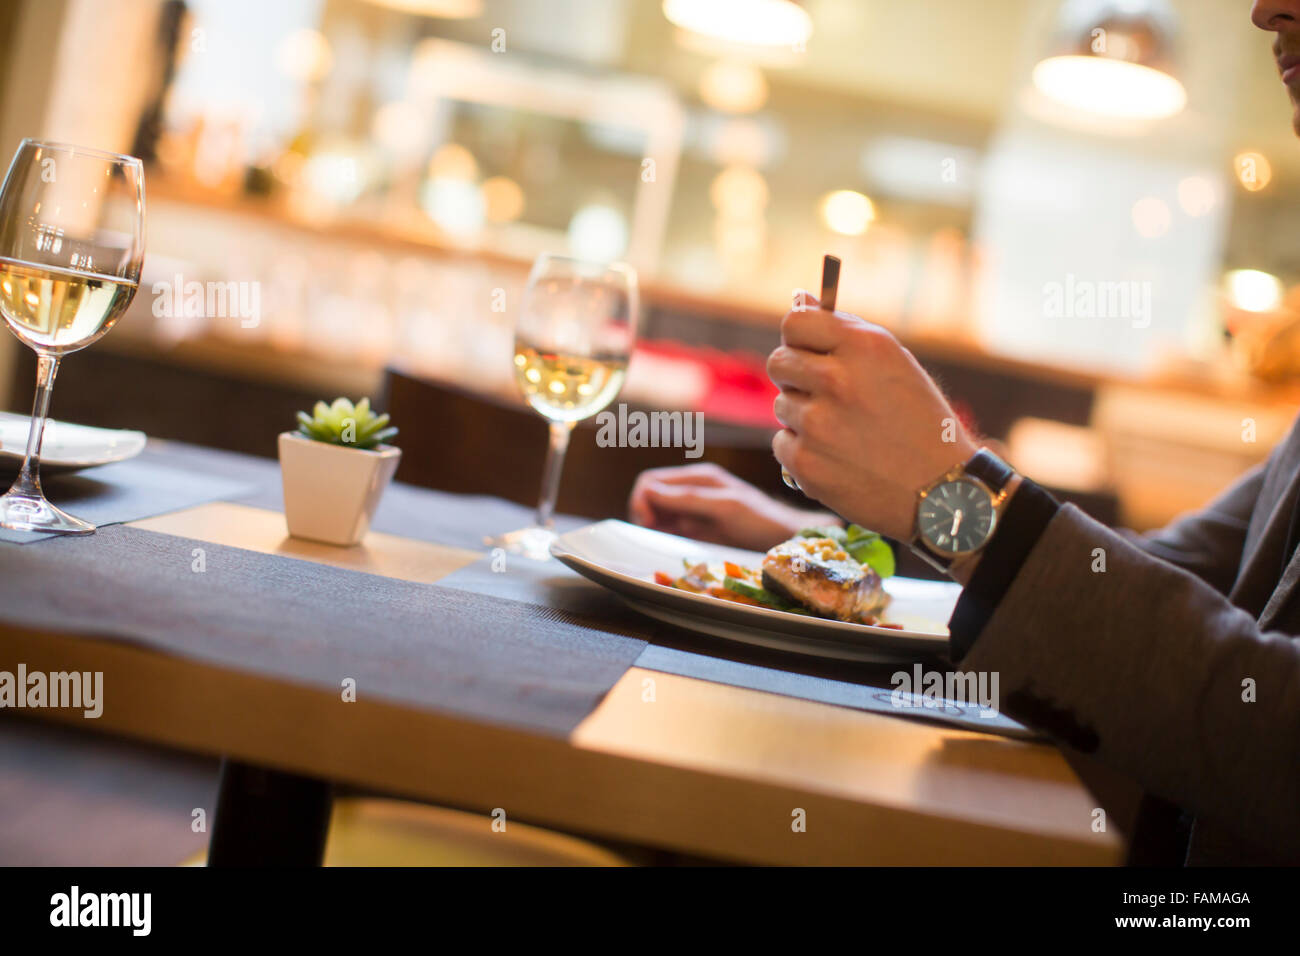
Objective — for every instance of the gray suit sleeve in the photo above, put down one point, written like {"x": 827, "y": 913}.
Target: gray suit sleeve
{"x": 1209, "y": 543}
{"x": 1144, "y": 665}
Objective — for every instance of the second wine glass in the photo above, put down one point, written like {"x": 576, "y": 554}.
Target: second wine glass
{"x": 574, "y": 336}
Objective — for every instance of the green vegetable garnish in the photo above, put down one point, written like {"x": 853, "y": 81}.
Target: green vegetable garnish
{"x": 875, "y": 553}
{"x": 833, "y": 532}
{"x": 866, "y": 547}
{"x": 762, "y": 595}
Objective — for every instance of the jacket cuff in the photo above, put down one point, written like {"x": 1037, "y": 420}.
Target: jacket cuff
{"x": 1027, "y": 516}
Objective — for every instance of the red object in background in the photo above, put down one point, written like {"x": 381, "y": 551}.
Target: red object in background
{"x": 739, "y": 392}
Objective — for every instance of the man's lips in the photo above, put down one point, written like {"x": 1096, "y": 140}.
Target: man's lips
{"x": 1289, "y": 66}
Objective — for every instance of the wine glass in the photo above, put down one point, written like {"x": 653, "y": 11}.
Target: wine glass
{"x": 71, "y": 248}
{"x": 573, "y": 338}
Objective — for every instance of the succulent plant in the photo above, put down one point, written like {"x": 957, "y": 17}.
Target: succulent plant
{"x": 343, "y": 423}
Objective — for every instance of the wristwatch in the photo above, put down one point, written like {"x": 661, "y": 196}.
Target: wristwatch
{"x": 958, "y": 512}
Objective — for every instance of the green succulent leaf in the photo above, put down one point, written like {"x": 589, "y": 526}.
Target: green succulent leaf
{"x": 343, "y": 423}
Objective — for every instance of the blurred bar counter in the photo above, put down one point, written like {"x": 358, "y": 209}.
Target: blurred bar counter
{"x": 325, "y": 305}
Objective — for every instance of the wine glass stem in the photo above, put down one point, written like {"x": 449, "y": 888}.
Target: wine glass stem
{"x": 28, "y": 481}
{"x": 560, "y": 432}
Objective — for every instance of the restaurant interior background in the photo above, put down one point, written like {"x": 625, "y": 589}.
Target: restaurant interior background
{"x": 381, "y": 173}
{"x": 376, "y": 176}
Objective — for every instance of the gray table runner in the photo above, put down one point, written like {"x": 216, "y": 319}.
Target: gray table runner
{"x": 494, "y": 660}
{"x": 147, "y": 485}
{"x": 202, "y": 474}
{"x": 461, "y": 521}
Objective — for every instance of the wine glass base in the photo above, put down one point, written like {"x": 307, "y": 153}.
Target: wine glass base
{"x": 24, "y": 512}
{"x": 533, "y": 543}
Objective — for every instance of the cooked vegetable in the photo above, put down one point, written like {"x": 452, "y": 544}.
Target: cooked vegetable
{"x": 755, "y": 592}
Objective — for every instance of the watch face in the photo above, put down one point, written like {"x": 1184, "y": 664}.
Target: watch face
{"x": 956, "y": 517}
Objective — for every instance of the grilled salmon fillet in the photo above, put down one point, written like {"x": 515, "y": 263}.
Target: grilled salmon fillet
{"x": 819, "y": 574}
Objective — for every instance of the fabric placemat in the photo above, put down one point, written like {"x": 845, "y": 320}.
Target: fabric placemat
{"x": 499, "y": 661}
{"x": 140, "y": 487}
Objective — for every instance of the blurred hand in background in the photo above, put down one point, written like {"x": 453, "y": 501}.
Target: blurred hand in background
{"x": 708, "y": 503}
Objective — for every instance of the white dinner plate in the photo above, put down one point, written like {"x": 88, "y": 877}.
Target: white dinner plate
{"x": 624, "y": 557}
{"x": 66, "y": 447}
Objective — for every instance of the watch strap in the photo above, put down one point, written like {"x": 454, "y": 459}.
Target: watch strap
{"x": 990, "y": 469}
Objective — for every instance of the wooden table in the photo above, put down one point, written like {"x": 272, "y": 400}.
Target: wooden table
{"x": 664, "y": 761}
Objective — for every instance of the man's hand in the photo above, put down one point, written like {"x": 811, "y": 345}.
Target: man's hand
{"x": 709, "y": 503}
{"x": 865, "y": 426}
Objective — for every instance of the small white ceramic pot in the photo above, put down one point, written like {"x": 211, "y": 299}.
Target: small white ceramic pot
{"x": 331, "y": 491}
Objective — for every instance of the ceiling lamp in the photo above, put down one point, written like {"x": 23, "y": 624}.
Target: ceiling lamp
{"x": 1113, "y": 59}
{"x": 1253, "y": 291}
{"x": 764, "y": 23}
{"x": 1253, "y": 170}
{"x": 847, "y": 212}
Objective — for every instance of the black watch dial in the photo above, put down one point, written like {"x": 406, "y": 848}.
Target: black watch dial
{"x": 956, "y": 517}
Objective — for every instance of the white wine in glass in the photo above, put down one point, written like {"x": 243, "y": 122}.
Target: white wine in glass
{"x": 71, "y": 250}
{"x": 59, "y": 310}
{"x": 573, "y": 339}
{"x": 567, "y": 388}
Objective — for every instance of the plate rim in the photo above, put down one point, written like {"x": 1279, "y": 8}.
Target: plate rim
{"x": 138, "y": 442}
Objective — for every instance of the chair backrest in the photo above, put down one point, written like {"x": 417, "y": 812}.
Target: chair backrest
{"x": 458, "y": 441}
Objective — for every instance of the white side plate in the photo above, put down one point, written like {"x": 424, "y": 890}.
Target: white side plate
{"x": 66, "y": 447}
{"x": 624, "y": 557}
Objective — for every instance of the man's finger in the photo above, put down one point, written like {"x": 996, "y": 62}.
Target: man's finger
{"x": 789, "y": 409}
{"x": 813, "y": 329}
{"x": 685, "y": 499}
{"x": 700, "y": 475}
{"x": 799, "y": 369}
{"x": 638, "y": 506}
{"x": 783, "y": 443}
{"x": 703, "y": 474}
